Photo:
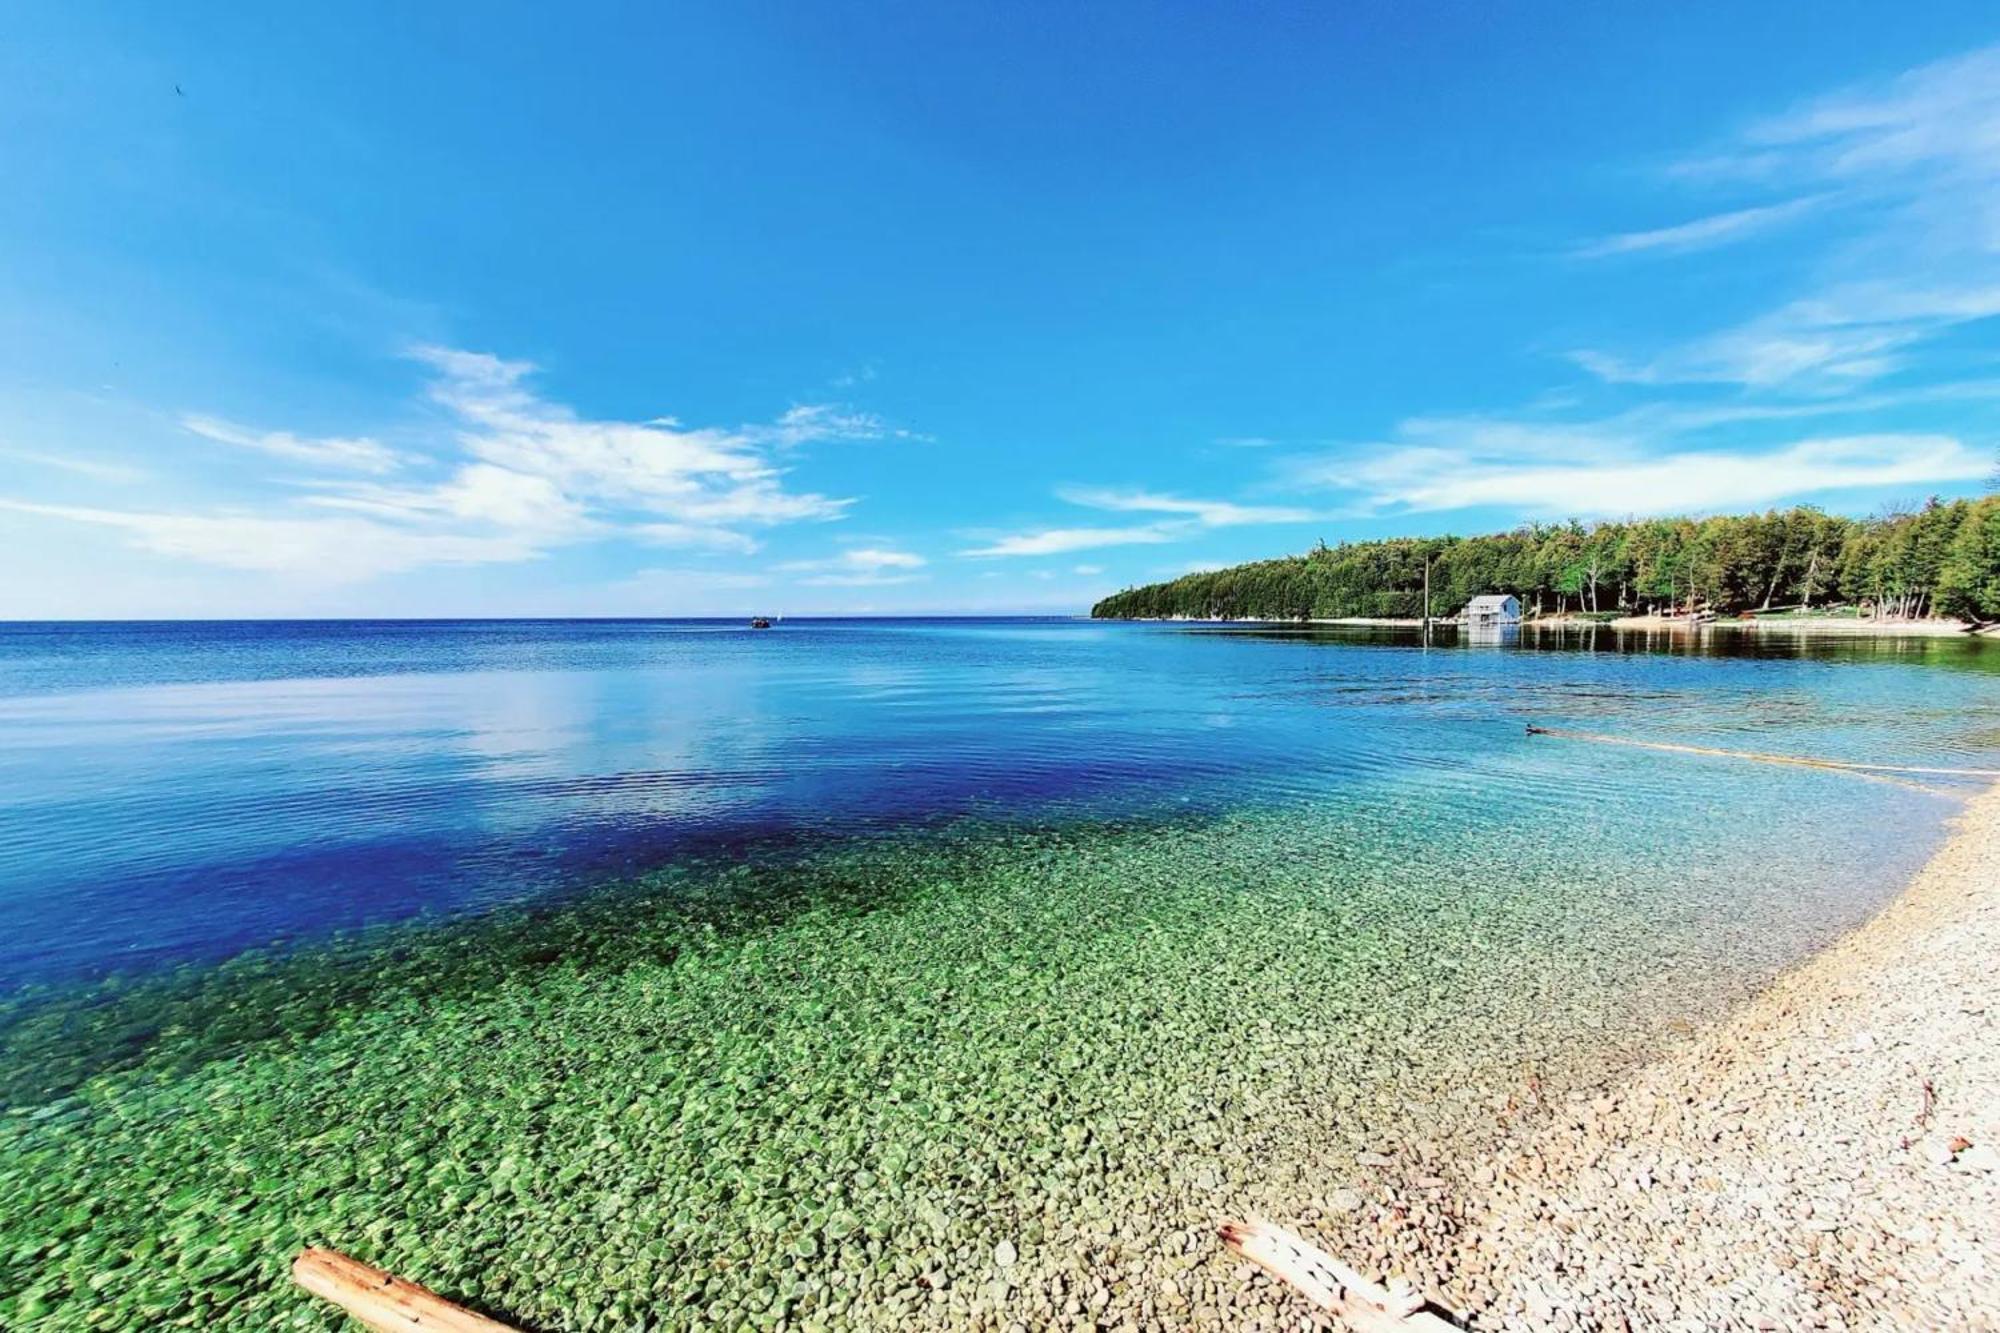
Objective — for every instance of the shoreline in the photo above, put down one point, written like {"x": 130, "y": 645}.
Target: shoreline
{"x": 928, "y": 1082}
{"x": 1082, "y": 1054}
{"x": 1919, "y": 629}
{"x": 1886, "y": 629}
{"x": 1828, "y": 1155}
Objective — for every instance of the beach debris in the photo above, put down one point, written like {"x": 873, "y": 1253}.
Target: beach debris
{"x": 1365, "y": 1306}
{"x": 382, "y": 1300}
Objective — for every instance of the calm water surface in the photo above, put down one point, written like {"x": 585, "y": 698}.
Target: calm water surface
{"x": 175, "y": 791}
{"x": 851, "y": 950}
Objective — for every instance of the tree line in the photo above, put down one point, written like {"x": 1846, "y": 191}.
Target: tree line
{"x": 1940, "y": 560}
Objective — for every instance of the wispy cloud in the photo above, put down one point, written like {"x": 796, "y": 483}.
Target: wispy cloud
{"x": 1945, "y": 113}
{"x": 865, "y": 558}
{"x": 1208, "y": 513}
{"x": 807, "y": 423}
{"x": 1838, "y": 340}
{"x": 356, "y": 453}
{"x": 331, "y": 550}
{"x": 695, "y": 535}
{"x": 526, "y": 475}
{"x": 694, "y": 579}
{"x": 1058, "y": 541}
{"x": 703, "y": 476}
{"x": 1612, "y": 481}
{"x": 1704, "y": 233}
{"x": 861, "y": 567}
{"x": 1918, "y": 160}
{"x": 1186, "y": 517}
{"x": 475, "y": 493}
{"x": 116, "y": 473}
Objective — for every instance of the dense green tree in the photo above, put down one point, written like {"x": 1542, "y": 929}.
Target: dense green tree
{"x": 1943, "y": 559}
{"x": 1969, "y": 574}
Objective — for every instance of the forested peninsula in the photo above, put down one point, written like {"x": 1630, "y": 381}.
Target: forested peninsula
{"x": 1942, "y": 560}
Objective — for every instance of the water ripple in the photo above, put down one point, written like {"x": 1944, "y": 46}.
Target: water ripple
{"x": 181, "y": 791}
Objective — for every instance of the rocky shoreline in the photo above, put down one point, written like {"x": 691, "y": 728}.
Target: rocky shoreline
{"x": 1016, "y": 1082}
{"x": 1827, "y": 1157}
{"x": 1821, "y": 1157}
{"x": 1849, "y": 626}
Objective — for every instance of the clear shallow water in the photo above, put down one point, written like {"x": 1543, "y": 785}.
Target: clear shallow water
{"x": 173, "y": 792}
{"x": 1080, "y": 937}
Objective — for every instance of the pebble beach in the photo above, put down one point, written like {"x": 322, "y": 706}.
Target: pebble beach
{"x": 1826, "y": 1157}
{"x": 1829, "y": 1157}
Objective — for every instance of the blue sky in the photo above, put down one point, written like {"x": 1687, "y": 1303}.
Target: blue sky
{"x": 516, "y": 309}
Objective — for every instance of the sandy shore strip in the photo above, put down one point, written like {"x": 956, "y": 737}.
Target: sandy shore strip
{"x": 1796, "y": 625}
{"x": 1918, "y": 629}
{"x": 1827, "y": 1157}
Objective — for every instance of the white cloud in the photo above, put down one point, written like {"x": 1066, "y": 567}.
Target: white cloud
{"x": 862, "y": 558}
{"x": 690, "y": 534}
{"x": 705, "y": 477}
{"x": 1057, "y": 541}
{"x": 322, "y": 550}
{"x": 477, "y": 493}
{"x": 1916, "y": 164}
{"x": 116, "y": 473}
{"x": 528, "y": 475}
{"x": 861, "y": 567}
{"x": 1842, "y": 338}
{"x": 1514, "y": 438}
{"x": 1188, "y": 516}
{"x": 694, "y": 579}
{"x": 1429, "y": 478}
{"x": 1209, "y": 513}
{"x": 860, "y": 580}
{"x": 807, "y": 423}
{"x": 1704, "y": 233}
{"x": 1944, "y": 113}
{"x": 356, "y": 454}
{"x": 1089, "y": 570}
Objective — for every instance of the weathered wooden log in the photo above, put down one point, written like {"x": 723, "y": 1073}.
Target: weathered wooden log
{"x": 382, "y": 1300}
{"x": 1365, "y": 1306}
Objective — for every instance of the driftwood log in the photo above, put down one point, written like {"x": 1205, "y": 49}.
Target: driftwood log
{"x": 382, "y": 1300}
{"x": 1365, "y": 1306}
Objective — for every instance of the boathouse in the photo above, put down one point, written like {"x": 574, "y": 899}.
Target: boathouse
{"x": 1493, "y": 609}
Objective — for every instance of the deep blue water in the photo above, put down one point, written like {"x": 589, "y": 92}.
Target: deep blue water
{"x": 183, "y": 791}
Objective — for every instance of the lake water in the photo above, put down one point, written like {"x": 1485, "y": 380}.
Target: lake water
{"x": 171, "y": 791}
{"x": 545, "y": 961}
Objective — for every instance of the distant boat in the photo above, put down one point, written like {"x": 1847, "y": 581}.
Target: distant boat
{"x": 760, "y": 622}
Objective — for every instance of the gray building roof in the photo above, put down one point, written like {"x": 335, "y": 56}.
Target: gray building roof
{"x": 1493, "y": 604}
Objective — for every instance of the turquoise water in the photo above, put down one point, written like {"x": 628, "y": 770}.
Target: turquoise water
{"x": 183, "y": 791}
{"x": 659, "y": 972}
